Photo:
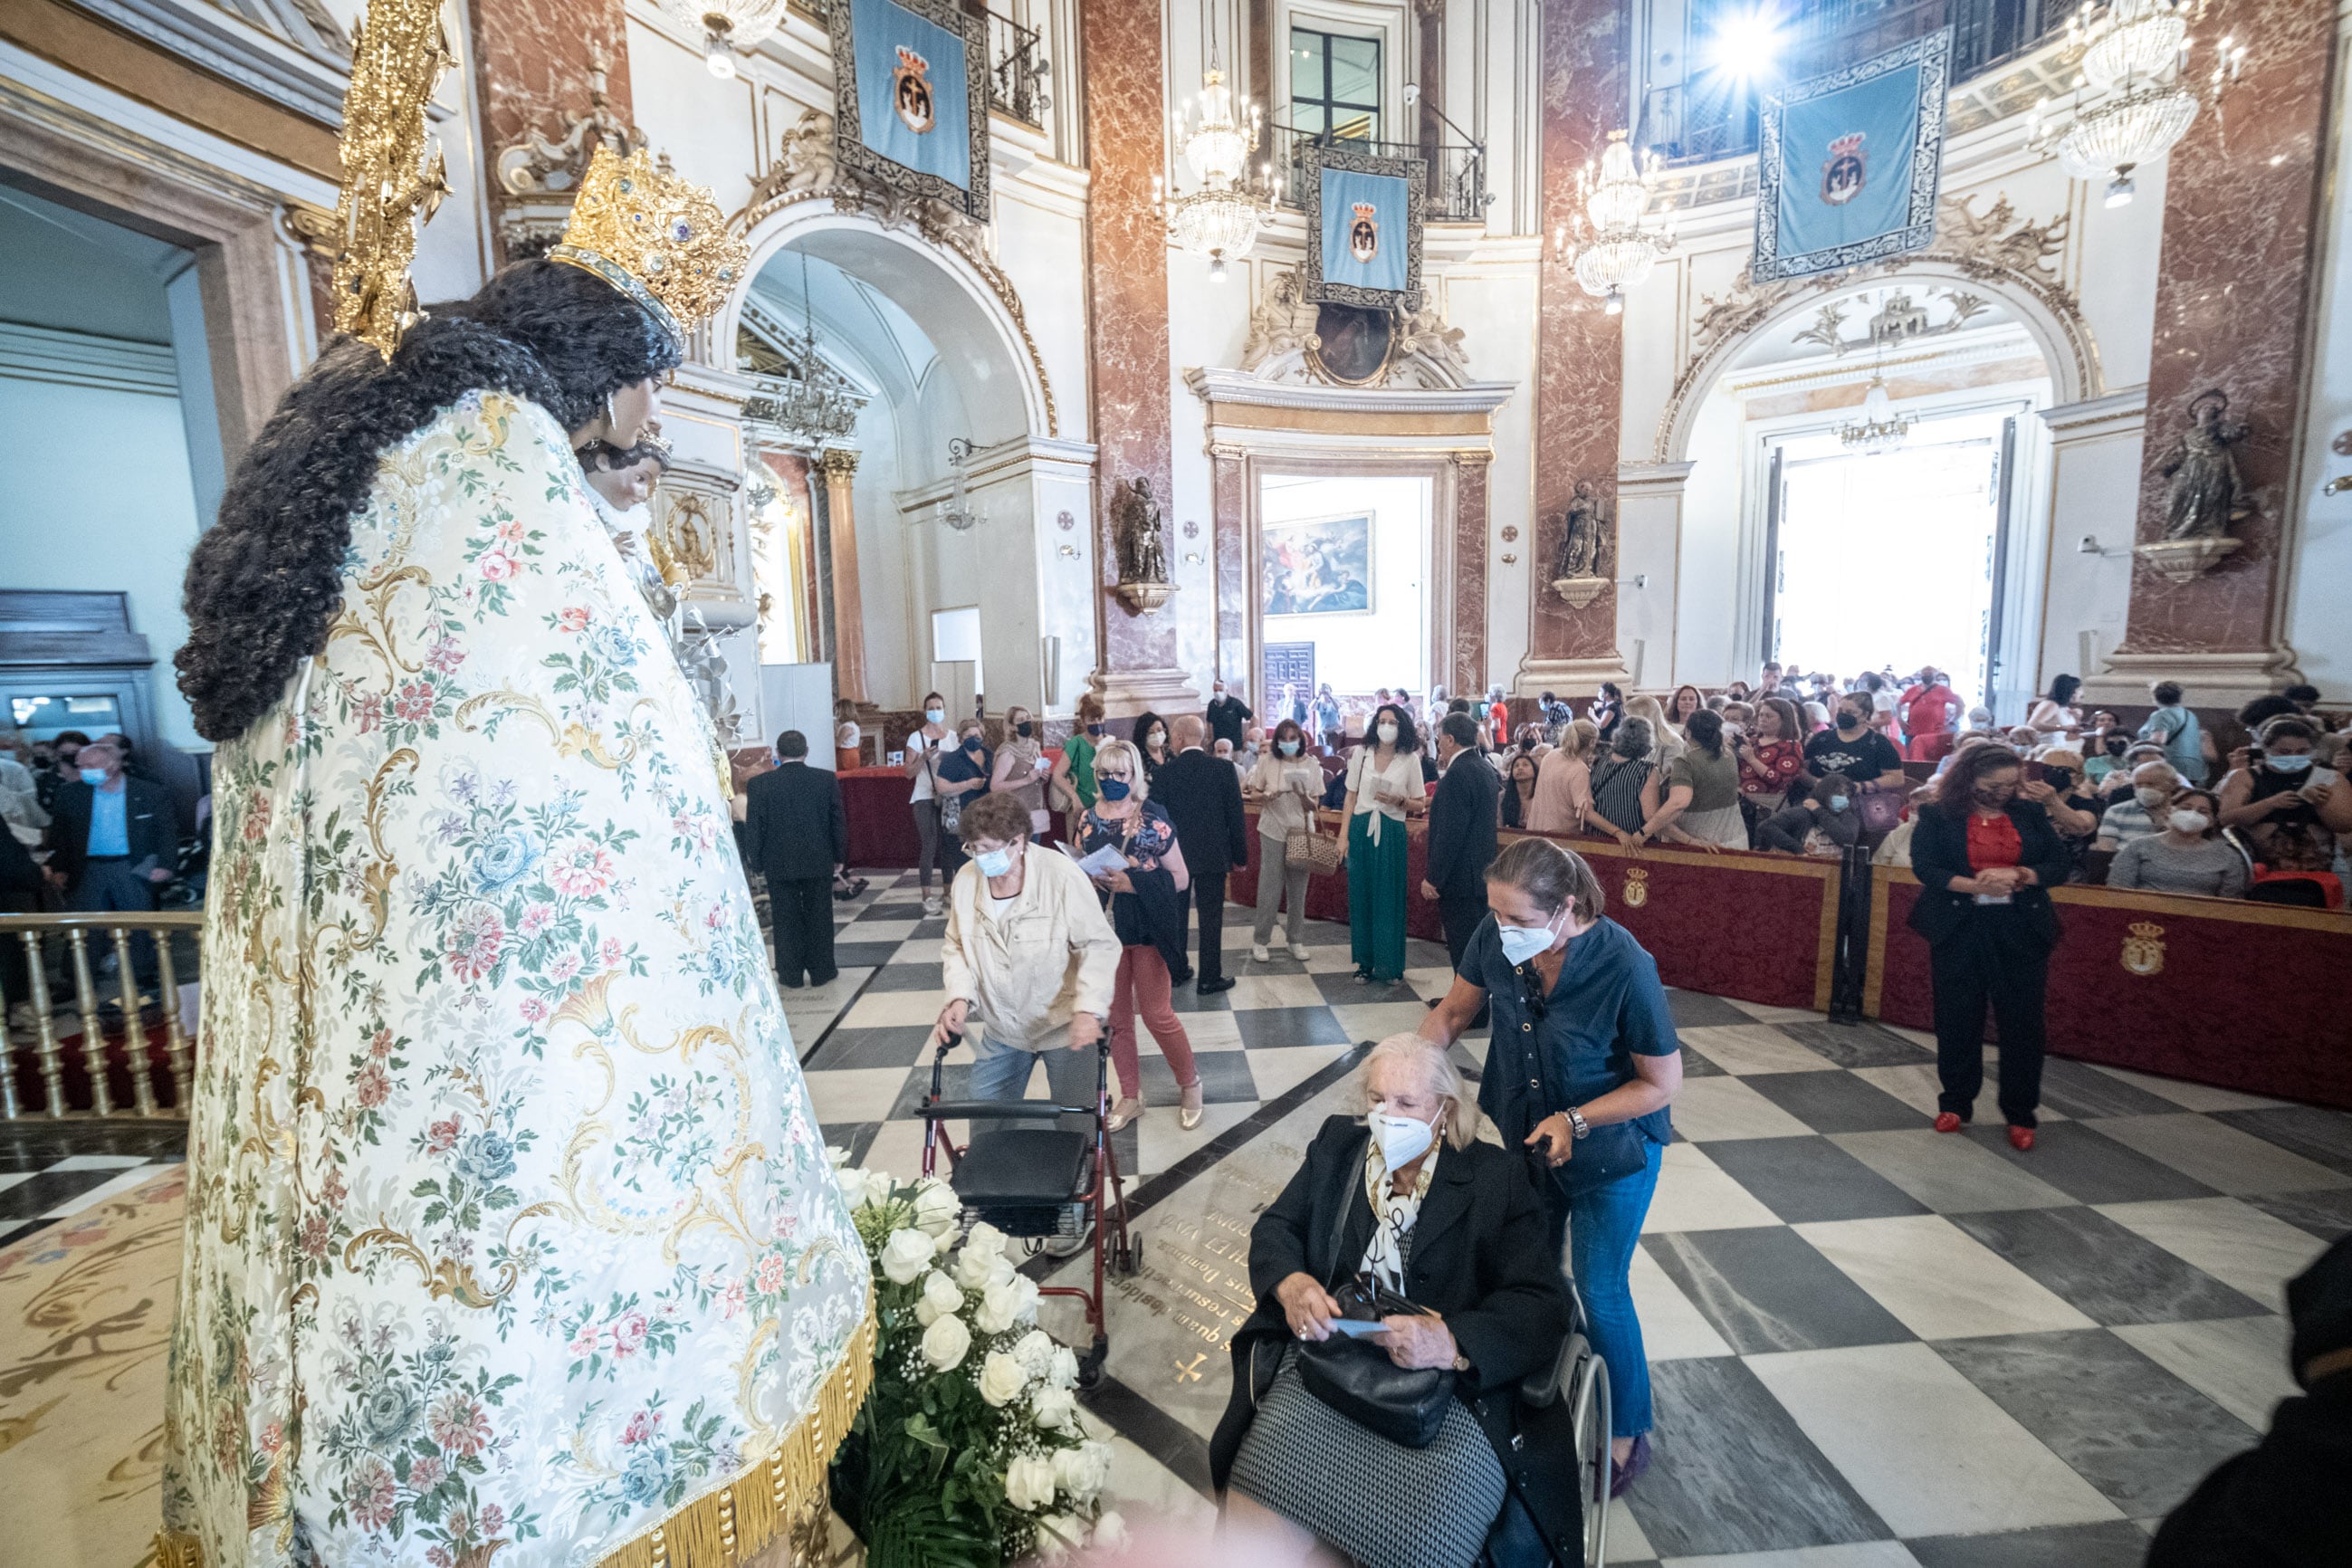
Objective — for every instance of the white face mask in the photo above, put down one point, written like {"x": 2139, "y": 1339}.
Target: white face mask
{"x": 2150, "y": 797}
{"x": 1521, "y": 944}
{"x": 2191, "y": 822}
{"x": 935, "y": 715}
{"x": 1402, "y": 1139}
{"x": 1388, "y": 734}
{"x": 995, "y": 862}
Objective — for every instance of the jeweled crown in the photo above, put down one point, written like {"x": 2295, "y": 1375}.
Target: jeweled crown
{"x": 658, "y": 239}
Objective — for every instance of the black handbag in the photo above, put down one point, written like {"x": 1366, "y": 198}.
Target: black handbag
{"x": 1606, "y": 1154}
{"x": 1355, "y": 1376}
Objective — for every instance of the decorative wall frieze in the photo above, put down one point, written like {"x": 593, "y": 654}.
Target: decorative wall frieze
{"x": 1283, "y": 346}
{"x": 806, "y": 171}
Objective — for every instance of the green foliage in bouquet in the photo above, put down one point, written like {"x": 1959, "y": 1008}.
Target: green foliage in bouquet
{"x": 970, "y": 1452}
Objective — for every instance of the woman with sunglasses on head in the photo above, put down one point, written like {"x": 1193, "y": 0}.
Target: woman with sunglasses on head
{"x": 1985, "y": 860}
{"x": 1384, "y": 783}
{"x": 1582, "y": 1065}
{"x": 1146, "y": 900}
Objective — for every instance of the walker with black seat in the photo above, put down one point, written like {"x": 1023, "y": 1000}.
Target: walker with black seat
{"x": 1040, "y": 1181}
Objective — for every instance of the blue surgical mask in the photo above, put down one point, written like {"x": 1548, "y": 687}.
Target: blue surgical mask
{"x": 1094, "y": 730}
{"x": 1289, "y": 748}
{"x": 1113, "y": 789}
{"x": 935, "y": 715}
{"x": 995, "y": 862}
{"x": 1838, "y": 802}
{"x": 1521, "y": 944}
{"x": 2286, "y": 765}
{"x": 93, "y": 776}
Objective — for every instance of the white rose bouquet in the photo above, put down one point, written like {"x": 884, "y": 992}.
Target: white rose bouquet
{"x": 971, "y": 1450}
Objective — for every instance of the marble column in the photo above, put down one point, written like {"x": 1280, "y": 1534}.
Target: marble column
{"x": 1580, "y": 353}
{"x": 2242, "y": 194}
{"x": 1467, "y": 668}
{"x": 1129, "y": 375}
{"x": 839, "y": 468}
{"x": 532, "y": 60}
{"x": 1229, "y": 495}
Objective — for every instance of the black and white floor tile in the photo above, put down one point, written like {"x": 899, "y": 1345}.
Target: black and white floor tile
{"x": 1872, "y": 1345}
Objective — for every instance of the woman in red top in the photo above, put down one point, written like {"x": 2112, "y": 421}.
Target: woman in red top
{"x": 1771, "y": 759}
{"x": 1984, "y": 859}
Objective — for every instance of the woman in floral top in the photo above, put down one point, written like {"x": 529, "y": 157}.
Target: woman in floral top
{"x": 1771, "y": 759}
{"x": 1147, "y": 911}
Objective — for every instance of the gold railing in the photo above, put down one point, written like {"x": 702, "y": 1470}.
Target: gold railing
{"x": 56, "y": 950}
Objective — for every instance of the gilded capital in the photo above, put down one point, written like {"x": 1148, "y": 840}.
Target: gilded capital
{"x": 836, "y": 462}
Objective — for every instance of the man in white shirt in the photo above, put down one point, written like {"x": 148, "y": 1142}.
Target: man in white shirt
{"x": 2142, "y": 815}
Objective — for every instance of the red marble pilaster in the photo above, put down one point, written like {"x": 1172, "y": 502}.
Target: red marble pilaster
{"x": 1229, "y": 494}
{"x": 1127, "y": 282}
{"x": 1580, "y": 357}
{"x": 2242, "y": 236}
{"x": 1468, "y": 673}
{"x": 532, "y": 60}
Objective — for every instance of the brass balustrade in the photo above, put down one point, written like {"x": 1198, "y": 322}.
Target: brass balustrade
{"x": 65, "y": 940}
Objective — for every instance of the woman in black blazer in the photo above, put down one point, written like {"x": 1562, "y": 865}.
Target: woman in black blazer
{"x": 1477, "y": 1255}
{"x": 1984, "y": 859}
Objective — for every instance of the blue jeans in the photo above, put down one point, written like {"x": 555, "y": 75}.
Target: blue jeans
{"x": 1000, "y": 1071}
{"x": 1603, "y": 1227}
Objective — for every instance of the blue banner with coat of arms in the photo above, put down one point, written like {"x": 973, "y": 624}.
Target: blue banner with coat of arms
{"x": 1363, "y": 226}
{"x": 1850, "y": 162}
{"x": 912, "y": 113}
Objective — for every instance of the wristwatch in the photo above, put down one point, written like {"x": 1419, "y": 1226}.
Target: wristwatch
{"x": 1461, "y": 1362}
{"x": 1577, "y": 1124}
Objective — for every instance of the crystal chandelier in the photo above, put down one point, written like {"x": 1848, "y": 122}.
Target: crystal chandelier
{"x": 1880, "y": 429}
{"x": 729, "y": 27}
{"x": 1221, "y": 219}
{"x": 800, "y": 399}
{"x": 1614, "y": 250}
{"x": 2130, "y": 103}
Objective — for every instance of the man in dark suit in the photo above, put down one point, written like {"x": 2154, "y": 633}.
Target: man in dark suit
{"x": 1461, "y": 832}
{"x": 1203, "y": 796}
{"x": 795, "y": 835}
{"x": 1227, "y": 716}
{"x": 115, "y": 840}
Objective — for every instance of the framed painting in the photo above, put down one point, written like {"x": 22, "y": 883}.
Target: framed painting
{"x": 1317, "y": 566}
{"x": 910, "y": 113}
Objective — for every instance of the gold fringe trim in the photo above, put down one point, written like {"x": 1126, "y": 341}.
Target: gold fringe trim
{"x": 774, "y": 1496}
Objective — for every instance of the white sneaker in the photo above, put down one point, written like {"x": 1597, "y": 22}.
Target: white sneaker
{"x": 933, "y": 908}
{"x": 1299, "y": 951}
{"x": 1261, "y": 954}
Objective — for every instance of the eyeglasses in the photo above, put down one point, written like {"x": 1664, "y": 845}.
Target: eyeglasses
{"x": 1108, "y": 773}
{"x": 1531, "y": 992}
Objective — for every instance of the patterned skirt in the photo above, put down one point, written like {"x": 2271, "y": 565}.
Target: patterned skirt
{"x": 1406, "y": 1507}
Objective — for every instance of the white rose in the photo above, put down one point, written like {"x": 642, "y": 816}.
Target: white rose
{"x": 1059, "y": 1535}
{"x": 1028, "y": 1480}
{"x": 836, "y": 1154}
{"x": 945, "y": 1341}
{"x": 1006, "y": 1303}
{"x": 1081, "y": 1472}
{"x": 936, "y": 1208}
{"x": 986, "y": 1240}
{"x": 1063, "y": 1372}
{"x": 1000, "y": 1269}
{"x": 852, "y": 1180}
{"x": 1054, "y": 1408}
{"x": 1110, "y": 1531}
{"x": 1001, "y": 1379}
{"x": 907, "y": 1256}
{"x": 939, "y": 1294}
{"x": 972, "y": 1268}
{"x": 1035, "y": 1352}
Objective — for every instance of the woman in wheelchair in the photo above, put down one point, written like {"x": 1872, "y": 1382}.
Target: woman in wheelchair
{"x": 1402, "y": 1217}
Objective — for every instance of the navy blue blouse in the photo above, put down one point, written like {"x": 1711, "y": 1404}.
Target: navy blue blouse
{"x": 1608, "y": 1009}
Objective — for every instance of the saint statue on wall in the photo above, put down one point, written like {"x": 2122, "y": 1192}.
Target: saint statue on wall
{"x": 1142, "y": 545}
{"x": 2207, "y": 494}
{"x": 1583, "y": 543}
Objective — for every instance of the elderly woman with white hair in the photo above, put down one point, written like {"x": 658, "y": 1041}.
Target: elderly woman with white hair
{"x": 1403, "y": 1242}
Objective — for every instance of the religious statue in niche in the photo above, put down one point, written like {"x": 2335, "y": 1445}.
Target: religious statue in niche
{"x": 1581, "y": 569}
{"x": 2206, "y": 497}
{"x": 1142, "y": 544}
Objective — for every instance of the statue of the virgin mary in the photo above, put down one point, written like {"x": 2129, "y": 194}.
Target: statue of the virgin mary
{"x": 511, "y": 1231}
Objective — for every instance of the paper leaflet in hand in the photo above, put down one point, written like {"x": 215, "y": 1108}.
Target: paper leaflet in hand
{"x": 1102, "y": 862}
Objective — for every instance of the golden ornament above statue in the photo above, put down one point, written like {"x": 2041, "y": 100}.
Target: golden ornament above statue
{"x": 390, "y": 187}
{"x": 656, "y": 238}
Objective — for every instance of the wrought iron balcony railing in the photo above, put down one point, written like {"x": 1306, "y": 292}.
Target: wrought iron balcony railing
{"x": 1457, "y": 174}
{"x": 1018, "y": 70}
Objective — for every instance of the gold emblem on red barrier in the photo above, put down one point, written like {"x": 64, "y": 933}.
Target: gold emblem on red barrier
{"x": 1637, "y": 887}
{"x": 2144, "y": 949}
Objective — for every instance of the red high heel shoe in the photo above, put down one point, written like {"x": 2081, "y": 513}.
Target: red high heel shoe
{"x": 1948, "y": 1122}
{"x": 2021, "y": 1139}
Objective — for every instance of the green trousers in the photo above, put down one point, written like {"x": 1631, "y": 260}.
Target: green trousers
{"x": 1376, "y": 894}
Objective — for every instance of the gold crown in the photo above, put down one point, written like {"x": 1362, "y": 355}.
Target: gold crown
{"x": 658, "y": 239}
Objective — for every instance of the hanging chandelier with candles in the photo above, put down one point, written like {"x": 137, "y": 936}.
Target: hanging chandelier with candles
{"x": 1615, "y": 246}
{"x": 729, "y": 28}
{"x": 2131, "y": 103}
{"x": 798, "y": 399}
{"x": 1880, "y": 429}
{"x": 1221, "y": 216}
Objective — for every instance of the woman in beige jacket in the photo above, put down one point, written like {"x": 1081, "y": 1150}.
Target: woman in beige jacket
{"x": 1029, "y": 950}
{"x": 1285, "y": 786}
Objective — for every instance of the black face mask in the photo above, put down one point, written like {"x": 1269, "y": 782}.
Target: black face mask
{"x": 972, "y": 745}
{"x": 1023, "y": 729}
{"x": 1849, "y": 720}
{"x": 1093, "y": 729}
{"x": 2058, "y": 778}
{"x": 2118, "y": 745}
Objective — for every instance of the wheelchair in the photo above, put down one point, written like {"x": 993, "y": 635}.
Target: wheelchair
{"x": 1040, "y": 1181}
{"x": 1578, "y": 1377}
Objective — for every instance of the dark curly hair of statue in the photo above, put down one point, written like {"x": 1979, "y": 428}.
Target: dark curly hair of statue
{"x": 266, "y": 580}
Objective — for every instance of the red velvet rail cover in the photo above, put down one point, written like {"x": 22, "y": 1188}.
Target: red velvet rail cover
{"x": 1761, "y": 928}
{"x": 2215, "y": 991}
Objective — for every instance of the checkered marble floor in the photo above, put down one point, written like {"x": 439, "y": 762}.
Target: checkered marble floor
{"x": 1872, "y": 1344}
{"x": 51, "y": 1170}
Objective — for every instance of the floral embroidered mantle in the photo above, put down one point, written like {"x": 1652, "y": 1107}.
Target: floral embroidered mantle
{"x": 511, "y": 1232}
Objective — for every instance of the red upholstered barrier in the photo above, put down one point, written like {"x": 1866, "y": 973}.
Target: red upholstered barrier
{"x": 881, "y": 821}
{"x": 2215, "y": 991}
{"x": 1762, "y": 928}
